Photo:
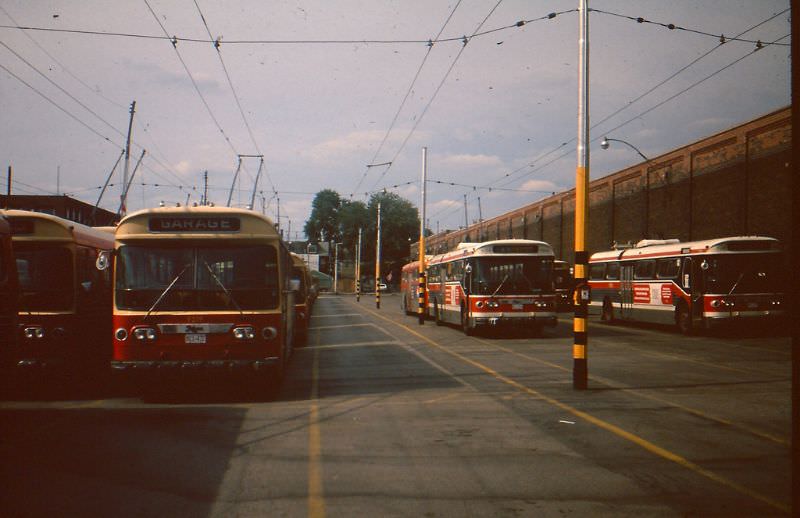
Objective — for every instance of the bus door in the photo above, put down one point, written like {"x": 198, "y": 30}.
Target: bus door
{"x": 626, "y": 290}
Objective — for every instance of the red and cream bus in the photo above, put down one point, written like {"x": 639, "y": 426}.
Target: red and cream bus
{"x": 493, "y": 283}
{"x": 8, "y": 293}
{"x": 303, "y": 301}
{"x": 202, "y": 288}
{"x": 409, "y": 288}
{"x": 691, "y": 284}
{"x": 64, "y": 308}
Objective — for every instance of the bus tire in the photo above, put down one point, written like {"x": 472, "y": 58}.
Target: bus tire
{"x": 607, "y": 314}
{"x": 465, "y": 322}
{"x": 683, "y": 318}
{"x": 437, "y": 316}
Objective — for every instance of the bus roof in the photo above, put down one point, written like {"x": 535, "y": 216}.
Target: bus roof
{"x": 38, "y": 226}
{"x": 735, "y": 244}
{"x": 502, "y": 247}
{"x": 203, "y": 222}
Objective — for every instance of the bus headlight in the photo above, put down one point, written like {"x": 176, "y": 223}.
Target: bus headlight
{"x": 244, "y": 332}
{"x": 34, "y": 332}
{"x": 120, "y": 334}
{"x": 269, "y": 333}
{"x": 479, "y": 304}
{"x": 145, "y": 334}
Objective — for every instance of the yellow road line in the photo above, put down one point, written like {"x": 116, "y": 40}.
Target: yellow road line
{"x": 316, "y": 501}
{"x": 749, "y": 429}
{"x": 616, "y": 430}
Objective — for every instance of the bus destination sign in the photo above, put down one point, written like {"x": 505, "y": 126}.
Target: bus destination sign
{"x": 194, "y": 224}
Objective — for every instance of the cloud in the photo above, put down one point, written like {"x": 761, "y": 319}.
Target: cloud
{"x": 471, "y": 161}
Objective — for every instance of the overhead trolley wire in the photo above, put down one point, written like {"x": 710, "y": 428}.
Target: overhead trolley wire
{"x": 465, "y": 41}
{"x": 217, "y": 45}
{"x": 645, "y": 112}
{"x": 408, "y": 93}
{"x": 191, "y": 77}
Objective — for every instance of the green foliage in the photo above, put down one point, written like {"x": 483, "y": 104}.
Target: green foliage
{"x": 323, "y": 223}
{"x": 334, "y": 219}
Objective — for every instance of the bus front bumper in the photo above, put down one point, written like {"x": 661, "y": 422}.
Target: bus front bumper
{"x": 193, "y": 365}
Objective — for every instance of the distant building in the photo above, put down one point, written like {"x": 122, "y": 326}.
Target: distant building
{"x": 62, "y": 206}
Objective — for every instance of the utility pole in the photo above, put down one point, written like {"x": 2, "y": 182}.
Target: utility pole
{"x": 58, "y": 180}
{"x": 336, "y": 268}
{"x": 8, "y": 188}
{"x": 580, "y": 369}
{"x": 421, "y": 284}
{"x": 378, "y": 261}
{"x": 204, "y": 201}
{"x": 480, "y": 221}
{"x": 466, "y": 219}
{"x": 123, "y": 208}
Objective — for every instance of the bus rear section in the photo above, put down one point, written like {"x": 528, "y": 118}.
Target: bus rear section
{"x": 700, "y": 284}
{"x": 303, "y": 301}
{"x": 64, "y": 308}
{"x": 202, "y": 289}
{"x": 495, "y": 283}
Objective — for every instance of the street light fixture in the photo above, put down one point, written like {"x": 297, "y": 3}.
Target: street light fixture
{"x": 605, "y": 143}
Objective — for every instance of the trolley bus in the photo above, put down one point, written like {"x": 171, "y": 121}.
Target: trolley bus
{"x": 64, "y": 313}
{"x": 202, "y": 288}
{"x": 303, "y": 302}
{"x": 493, "y": 283}
{"x": 690, "y": 284}
{"x": 8, "y": 294}
{"x": 409, "y": 288}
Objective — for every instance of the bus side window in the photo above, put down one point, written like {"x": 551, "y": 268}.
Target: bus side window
{"x": 612, "y": 272}
{"x": 644, "y": 269}
{"x": 597, "y": 271}
{"x": 668, "y": 268}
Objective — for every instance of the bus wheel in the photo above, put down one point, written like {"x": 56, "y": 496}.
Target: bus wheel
{"x": 683, "y": 319}
{"x": 608, "y": 312}
{"x": 437, "y": 316}
{"x": 465, "y": 323}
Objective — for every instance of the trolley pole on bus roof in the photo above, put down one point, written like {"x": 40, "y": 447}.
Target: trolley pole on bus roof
{"x": 122, "y": 201}
{"x": 421, "y": 284}
{"x": 378, "y": 261}
{"x": 580, "y": 370}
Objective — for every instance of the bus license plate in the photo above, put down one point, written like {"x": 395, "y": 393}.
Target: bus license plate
{"x": 194, "y": 339}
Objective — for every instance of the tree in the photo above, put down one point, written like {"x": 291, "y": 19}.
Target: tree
{"x": 399, "y": 228}
{"x": 352, "y": 216}
{"x": 323, "y": 223}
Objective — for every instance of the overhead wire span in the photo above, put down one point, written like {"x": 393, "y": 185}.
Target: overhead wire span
{"x": 406, "y": 96}
{"x": 174, "y": 42}
{"x": 630, "y": 103}
{"x": 217, "y": 46}
{"x": 652, "y": 108}
{"x": 436, "y": 92}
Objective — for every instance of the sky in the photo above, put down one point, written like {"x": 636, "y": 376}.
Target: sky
{"x": 345, "y": 95}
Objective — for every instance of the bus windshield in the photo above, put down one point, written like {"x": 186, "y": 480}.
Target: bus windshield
{"x": 45, "y": 278}
{"x": 513, "y": 275}
{"x": 745, "y": 273}
{"x": 197, "y": 278}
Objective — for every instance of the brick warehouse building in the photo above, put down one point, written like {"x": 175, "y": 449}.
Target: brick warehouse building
{"x": 736, "y": 182}
{"x": 62, "y": 206}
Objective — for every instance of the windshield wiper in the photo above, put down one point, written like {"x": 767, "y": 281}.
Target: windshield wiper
{"x": 226, "y": 290}
{"x": 505, "y": 278}
{"x": 736, "y": 283}
{"x": 164, "y": 293}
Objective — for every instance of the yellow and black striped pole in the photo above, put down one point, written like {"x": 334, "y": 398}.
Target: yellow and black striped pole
{"x": 580, "y": 368}
{"x": 378, "y": 262}
{"x": 421, "y": 285}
